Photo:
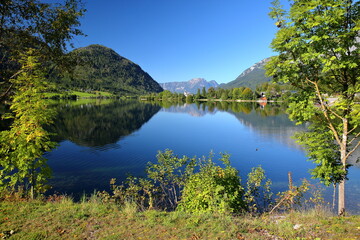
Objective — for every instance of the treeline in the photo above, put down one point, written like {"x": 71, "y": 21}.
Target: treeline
{"x": 271, "y": 91}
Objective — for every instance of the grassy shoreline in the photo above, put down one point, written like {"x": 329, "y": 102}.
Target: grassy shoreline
{"x": 78, "y": 94}
{"x": 90, "y": 219}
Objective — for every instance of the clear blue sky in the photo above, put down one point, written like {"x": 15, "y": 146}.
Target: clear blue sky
{"x": 177, "y": 40}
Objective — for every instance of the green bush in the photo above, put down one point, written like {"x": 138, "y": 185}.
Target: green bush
{"x": 213, "y": 189}
{"x": 194, "y": 185}
{"x": 258, "y": 195}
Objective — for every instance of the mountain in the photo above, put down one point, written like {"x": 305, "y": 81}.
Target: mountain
{"x": 190, "y": 86}
{"x": 101, "y": 68}
{"x": 251, "y": 77}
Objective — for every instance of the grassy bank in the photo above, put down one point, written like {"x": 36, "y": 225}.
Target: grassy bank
{"x": 91, "y": 219}
{"x": 93, "y": 94}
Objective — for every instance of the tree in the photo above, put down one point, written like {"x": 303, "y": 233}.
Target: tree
{"x": 189, "y": 98}
{"x": 236, "y": 92}
{"x": 48, "y": 28}
{"x": 318, "y": 46}
{"x": 203, "y": 92}
{"x": 33, "y": 40}
{"x": 211, "y": 93}
{"x": 247, "y": 94}
{"x": 198, "y": 95}
{"x": 224, "y": 95}
{"x": 22, "y": 147}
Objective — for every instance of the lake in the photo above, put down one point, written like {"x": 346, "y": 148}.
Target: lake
{"x": 104, "y": 139}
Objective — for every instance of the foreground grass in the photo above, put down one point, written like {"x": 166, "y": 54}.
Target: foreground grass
{"x": 91, "y": 219}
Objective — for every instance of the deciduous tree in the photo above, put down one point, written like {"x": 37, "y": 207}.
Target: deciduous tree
{"x": 33, "y": 39}
{"x": 47, "y": 28}
{"x": 318, "y": 46}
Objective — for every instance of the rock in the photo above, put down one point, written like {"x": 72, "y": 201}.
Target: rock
{"x": 297, "y": 226}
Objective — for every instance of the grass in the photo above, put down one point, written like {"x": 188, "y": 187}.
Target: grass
{"x": 93, "y": 94}
{"x": 91, "y": 219}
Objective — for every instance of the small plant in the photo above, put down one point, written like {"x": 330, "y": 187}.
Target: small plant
{"x": 137, "y": 191}
{"x": 170, "y": 173}
{"x": 258, "y": 195}
{"x": 213, "y": 189}
{"x": 287, "y": 200}
{"x": 162, "y": 187}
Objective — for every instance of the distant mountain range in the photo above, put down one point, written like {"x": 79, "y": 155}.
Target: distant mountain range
{"x": 190, "y": 86}
{"x": 251, "y": 77}
{"x": 101, "y": 68}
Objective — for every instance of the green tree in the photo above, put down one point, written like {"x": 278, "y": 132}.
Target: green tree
{"x": 24, "y": 144}
{"x": 203, "y": 92}
{"x": 198, "y": 95}
{"x": 42, "y": 26}
{"x": 318, "y": 46}
{"x": 211, "y": 93}
{"x": 189, "y": 98}
{"x": 33, "y": 39}
{"x": 247, "y": 94}
{"x": 224, "y": 96}
{"x": 236, "y": 92}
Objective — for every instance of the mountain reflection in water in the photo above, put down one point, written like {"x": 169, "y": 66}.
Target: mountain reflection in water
{"x": 270, "y": 120}
{"x": 110, "y": 139}
{"x": 102, "y": 124}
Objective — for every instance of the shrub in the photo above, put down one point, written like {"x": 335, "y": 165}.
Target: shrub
{"x": 213, "y": 189}
{"x": 258, "y": 195}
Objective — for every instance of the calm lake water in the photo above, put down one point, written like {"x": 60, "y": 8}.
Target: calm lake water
{"x": 103, "y": 139}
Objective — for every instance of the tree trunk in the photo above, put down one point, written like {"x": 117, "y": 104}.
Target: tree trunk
{"x": 343, "y": 151}
{"x": 341, "y": 202}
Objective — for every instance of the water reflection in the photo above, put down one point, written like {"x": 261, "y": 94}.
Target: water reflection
{"x": 100, "y": 125}
{"x": 85, "y": 130}
{"x": 269, "y": 120}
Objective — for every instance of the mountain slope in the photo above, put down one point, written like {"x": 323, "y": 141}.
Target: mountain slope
{"x": 101, "y": 68}
{"x": 251, "y": 77}
{"x": 190, "y": 86}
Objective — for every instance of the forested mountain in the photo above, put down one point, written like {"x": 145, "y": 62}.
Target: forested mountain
{"x": 190, "y": 86}
{"x": 101, "y": 68}
{"x": 251, "y": 77}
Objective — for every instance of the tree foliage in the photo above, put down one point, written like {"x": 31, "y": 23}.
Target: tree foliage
{"x": 45, "y": 27}
{"x": 33, "y": 39}
{"x": 183, "y": 184}
{"x": 213, "y": 189}
{"x": 318, "y": 45}
{"x": 23, "y": 146}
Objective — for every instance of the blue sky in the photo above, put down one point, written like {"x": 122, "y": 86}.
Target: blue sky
{"x": 177, "y": 40}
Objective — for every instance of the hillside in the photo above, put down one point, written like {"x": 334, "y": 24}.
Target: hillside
{"x": 101, "y": 68}
{"x": 251, "y": 77}
{"x": 190, "y": 86}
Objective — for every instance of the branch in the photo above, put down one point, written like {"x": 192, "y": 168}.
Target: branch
{"x": 11, "y": 85}
{"x": 337, "y": 115}
{"x": 6, "y": 92}
{"x": 354, "y": 130}
{"x": 353, "y": 150}
{"x": 356, "y": 136}
{"x": 287, "y": 196}
{"x": 323, "y": 107}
